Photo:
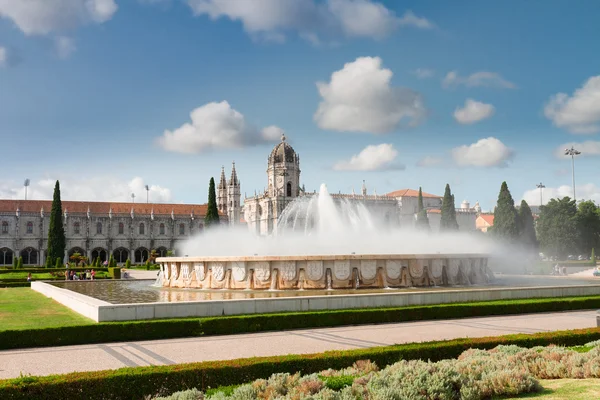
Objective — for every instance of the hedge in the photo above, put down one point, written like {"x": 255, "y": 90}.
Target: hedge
{"x": 14, "y": 284}
{"x": 137, "y": 383}
{"x": 49, "y": 270}
{"x": 190, "y": 327}
{"x": 114, "y": 272}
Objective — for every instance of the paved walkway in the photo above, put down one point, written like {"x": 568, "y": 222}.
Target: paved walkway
{"x": 58, "y": 360}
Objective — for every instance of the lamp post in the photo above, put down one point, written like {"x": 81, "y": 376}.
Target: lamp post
{"x": 147, "y": 194}
{"x": 572, "y": 152}
{"x": 133, "y": 197}
{"x": 541, "y": 187}
{"x": 26, "y": 184}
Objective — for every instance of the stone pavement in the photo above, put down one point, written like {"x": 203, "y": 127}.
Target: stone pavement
{"x": 59, "y": 360}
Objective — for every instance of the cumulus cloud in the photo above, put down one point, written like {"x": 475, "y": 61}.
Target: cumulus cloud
{"x": 587, "y": 149}
{"x": 430, "y": 161}
{"x": 42, "y": 17}
{"x": 579, "y": 113}
{"x": 489, "y": 152}
{"x": 423, "y": 73}
{"x": 64, "y": 46}
{"x": 588, "y": 191}
{"x": 216, "y": 126}
{"x": 312, "y": 20}
{"x": 99, "y": 188}
{"x": 481, "y": 78}
{"x": 360, "y": 98}
{"x": 371, "y": 158}
{"x": 473, "y": 111}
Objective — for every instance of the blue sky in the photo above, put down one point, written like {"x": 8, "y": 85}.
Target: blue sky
{"x": 85, "y": 95}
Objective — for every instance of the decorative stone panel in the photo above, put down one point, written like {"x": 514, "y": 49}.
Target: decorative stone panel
{"x": 314, "y": 270}
{"x": 238, "y": 269}
{"x": 287, "y": 269}
{"x": 393, "y": 268}
{"x": 341, "y": 269}
{"x": 262, "y": 270}
{"x": 368, "y": 269}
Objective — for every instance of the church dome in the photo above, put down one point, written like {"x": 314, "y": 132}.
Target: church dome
{"x": 283, "y": 152}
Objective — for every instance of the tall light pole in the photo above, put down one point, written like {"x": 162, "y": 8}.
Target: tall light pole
{"x": 541, "y": 187}
{"x": 147, "y": 194}
{"x": 133, "y": 197}
{"x": 26, "y": 184}
{"x": 572, "y": 152}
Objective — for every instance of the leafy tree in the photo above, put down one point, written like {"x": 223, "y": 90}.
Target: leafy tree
{"x": 527, "y": 236}
{"x": 56, "y": 231}
{"x": 212, "y": 213}
{"x": 506, "y": 226}
{"x": 20, "y": 263}
{"x": 557, "y": 227}
{"x": 422, "y": 219}
{"x": 448, "y": 218}
{"x": 588, "y": 223}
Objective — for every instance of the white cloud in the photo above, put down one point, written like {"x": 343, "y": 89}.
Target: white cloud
{"x": 359, "y": 98}
{"x": 99, "y": 188}
{"x": 371, "y": 158}
{"x": 64, "y": 46}
{"x": 42, "y": 17}
{"x": 584, "y": 192}
{"x": 489, "y": 152}
{"x": 481, "y": 78}
{"x": 424, "y": 73}
{"x": 430, "y": 161}
{"x": 579, "y": 113}
{"x": 473, "y": 111}
{"x": 3, "y": 56}
{"x": 215, "y": 126}
{"x": 9, "y": 57}
{"x": 587, "y": 148}
{"x": 274, "y": 19}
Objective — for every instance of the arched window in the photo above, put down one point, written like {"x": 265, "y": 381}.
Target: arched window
{"x": 182, "y": 229}
{"x": 161, "y": 229}
{"x": 6, "y": 256}
{"x": 30, "y": 256}
{"x": 76, "y": 228}
{"x": 4, "y": 227}
{"x": 289, "y": 189}
{"x": 30, "y": 227}
{"x": 99, "y": 228}
{"x": 142, "y": 228}
{"x": 121, "y": 228}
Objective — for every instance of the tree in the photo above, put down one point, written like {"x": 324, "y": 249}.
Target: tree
{"x": 448, "y": 218}
{"x": 422, "y": 219}
{"x": 505, "y": 216}
{"x": 588, "y": 223}
{"x": 128, "y": 263}
{"x": 593, "y": 257}
{"x": 212, "y": 213}
{"x": 15, "y": 262}
{"x": 557, "y": 228}
{"x": 56, "y": 231}
{"x": 20, "y": 263}
{"x": 58, "y": 263}
{"x": 525, "y": 226}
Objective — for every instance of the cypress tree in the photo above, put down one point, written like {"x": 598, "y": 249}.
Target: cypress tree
{"x": 448, "y": 219}
{"x": 58, "y": 263}
{"x": 422, "y": 219}
{"x": 526, "y": 228}
{"x": 505, "y": 216}
{"x": 15, "y": 262}
{"x": 593, "y": 257}
{"x": 128, "y": 263}
{"x": 56, "y": 231}
{"x": 20, "y": 263}
{"x": 212, "y": 213}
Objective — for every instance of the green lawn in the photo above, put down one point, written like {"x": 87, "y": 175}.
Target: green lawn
{"x": 23, "y": 308}
{"x": 566, "y": 389}
{"x": 42, "y": 275}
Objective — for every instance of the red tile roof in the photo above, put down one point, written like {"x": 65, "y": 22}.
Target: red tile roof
{"x": 411, "y": 193}
{"x": 489, "y": 218}
{"x": 81, "y": 207}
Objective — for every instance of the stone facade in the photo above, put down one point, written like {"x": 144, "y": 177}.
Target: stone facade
{"x": 97, "y": 229}
{"x": 229, "y": 196}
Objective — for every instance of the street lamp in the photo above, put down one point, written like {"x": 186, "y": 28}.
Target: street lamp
{"x": 26, "y": 184}
{"x": 572, "y": 152}
{"x": 147, "y": 194}
{"x": 133, "y": 197}
{"x": 541, "y": 187}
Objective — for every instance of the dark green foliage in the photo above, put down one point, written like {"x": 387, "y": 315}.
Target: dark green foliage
{"x": 588, "y": 223}
{"x": 593, "y": 257}
{"x": 147, "y": 265}
{"x": 128, "y": 263}
{"x": 422, "y": 219}
{"x": 58, "y": 263}
{"x": 56, "y": 231}
{"x": 212, "y": 213}
{"x": 557, "y": 227}
{"x": 20, "y": 263}
{"x": 337, "y": 383}
{"x": 527, "y": 236}
{"x": 448, "y": 218}
{"x": 111, "y": 262}
{"x": 15, "y": 262}
{"x": 506, "y": 226}
{"x": 114, "y": 272}
{"x": 140, "y": 382}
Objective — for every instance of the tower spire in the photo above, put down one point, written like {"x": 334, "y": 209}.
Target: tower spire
{"x": 222, "y": 182}
{"x": 234, "y": 179}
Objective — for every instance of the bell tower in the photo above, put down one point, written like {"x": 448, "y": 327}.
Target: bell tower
{"x": 233, "y": 198}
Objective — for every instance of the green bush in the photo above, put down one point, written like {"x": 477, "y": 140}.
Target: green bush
{"x": 14, "y": 284}
{"x": 137, "y": 383}
{"x": 20, "y": 263}
{"x": 45, "y": 270}
{"x": 15, "y": 262}
{"x": 128, "y": 263}
{"x": 114, "y": 272}
{"x": 338, "y": 382}
{"x": 58, "y": 263}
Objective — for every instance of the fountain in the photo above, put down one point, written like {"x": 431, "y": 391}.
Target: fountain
{"x": 344, "y": 246}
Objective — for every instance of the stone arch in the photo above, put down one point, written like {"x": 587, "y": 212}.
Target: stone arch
{"x": 288, "y": 190}
{"x": 6, "y": 256}
{"x": 30, "y": 256}
{"x": 101, "y": 253}
{"x": 141, "y": 255}
{"x": 121, "y": 254}
{"x": 162, "y": 251}
{"x": 76, "y": 250}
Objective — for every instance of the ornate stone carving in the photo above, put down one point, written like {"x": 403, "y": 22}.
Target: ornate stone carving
{"x": 437, "y": 267}
{"x": 165, "y": 270}
{"x": 238, "y": 269}
{"x": 200, "y": 271}
{"x": 314, "y": 270}
{"x": 185, "y": 271}
{"x": 341, "y": 269}
{"x": 262, "y": 270}
{"x": 416, "y": 268}
{"x": 218, "y": 271}
{"x": 287, "y": 269}
{"x": 393, "y": 268}
{"x": 174, "y": 272}
{"x": 368, "y": 269}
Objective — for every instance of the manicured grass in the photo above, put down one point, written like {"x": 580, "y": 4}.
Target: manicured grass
{"x": 23, "y": 308}
{"x": 10, "y": 276}
{"x": 566, "y": 389}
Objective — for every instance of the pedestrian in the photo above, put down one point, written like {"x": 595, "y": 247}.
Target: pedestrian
{"x": 29, "y": 277}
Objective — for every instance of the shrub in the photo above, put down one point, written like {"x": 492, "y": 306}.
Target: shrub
{"x": 20, "y": 263}
{"x": 58, "y": 263}
{"x": 128, "y": 263}
{"x": 15, "y": 262}
{"x": 114, "y": 272}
